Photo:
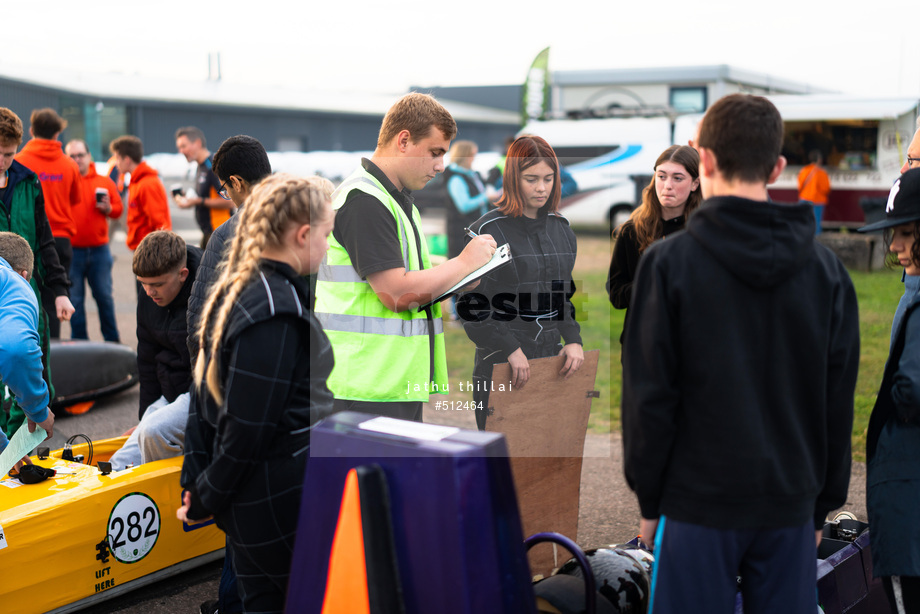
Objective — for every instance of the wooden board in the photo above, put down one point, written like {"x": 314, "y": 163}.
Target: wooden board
{"x": 544, "y": 424}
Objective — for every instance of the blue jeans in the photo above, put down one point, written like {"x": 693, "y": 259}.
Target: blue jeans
{"x": 819, "y": 214}
{"x": 93, "y": 265}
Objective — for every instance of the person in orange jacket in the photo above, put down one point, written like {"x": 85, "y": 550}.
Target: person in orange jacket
{"x": 148, "y": 209}
{"x": 815, "y": 186}
{"x": 61, "y": 188}
{"x": 92, "y": 258}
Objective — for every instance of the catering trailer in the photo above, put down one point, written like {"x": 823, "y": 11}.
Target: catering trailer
{"x": 863, "y": 141}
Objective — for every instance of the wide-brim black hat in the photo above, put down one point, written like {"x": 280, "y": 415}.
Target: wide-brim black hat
{"x": 903, "y": 203}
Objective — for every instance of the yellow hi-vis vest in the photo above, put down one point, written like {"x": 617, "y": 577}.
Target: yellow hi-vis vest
{"x": 380, "y": 355}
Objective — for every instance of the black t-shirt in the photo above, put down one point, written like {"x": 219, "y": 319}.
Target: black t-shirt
{"x": 205, "y": 181}
{"x": 367, "y": 230}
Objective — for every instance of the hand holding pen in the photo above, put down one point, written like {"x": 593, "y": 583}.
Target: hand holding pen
{"x": 479, "y": 250}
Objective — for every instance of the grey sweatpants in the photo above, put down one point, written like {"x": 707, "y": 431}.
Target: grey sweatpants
{"x": 160, "y": 434}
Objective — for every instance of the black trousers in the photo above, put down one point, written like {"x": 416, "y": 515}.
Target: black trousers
{"x": 261, "y": 526}
{"x": 65, "y": 254}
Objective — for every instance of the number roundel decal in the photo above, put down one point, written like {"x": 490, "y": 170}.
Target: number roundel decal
{"x": 134, "y": 526}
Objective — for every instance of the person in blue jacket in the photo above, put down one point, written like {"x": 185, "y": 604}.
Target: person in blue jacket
{"x": 469, "y": 198}
{"x": 893, "y": 438}
{"x": 20, "y": 346}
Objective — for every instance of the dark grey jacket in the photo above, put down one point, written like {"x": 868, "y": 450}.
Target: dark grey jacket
{"x": 893, "y": 454}
{"x": 207, "y": 274}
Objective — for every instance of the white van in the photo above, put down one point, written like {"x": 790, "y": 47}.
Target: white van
{"x": 611, "y": 160}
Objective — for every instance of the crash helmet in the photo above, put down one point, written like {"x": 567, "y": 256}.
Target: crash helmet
{"x": 619, "y": 576}
{"x": 640, "y": 553}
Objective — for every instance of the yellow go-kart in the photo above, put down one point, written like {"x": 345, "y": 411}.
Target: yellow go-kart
{"x": 85, "y": 535}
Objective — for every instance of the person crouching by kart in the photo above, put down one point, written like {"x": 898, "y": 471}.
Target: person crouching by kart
{"x": 165, "y": 267}
{"x": 260, "y": 385}
{"x": 20, "y": 345}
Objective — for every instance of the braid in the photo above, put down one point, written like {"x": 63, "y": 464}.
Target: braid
{"x": 273, "y": 205}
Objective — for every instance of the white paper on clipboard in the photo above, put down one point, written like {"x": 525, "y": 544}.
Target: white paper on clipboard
{"x": 501, "y": 257}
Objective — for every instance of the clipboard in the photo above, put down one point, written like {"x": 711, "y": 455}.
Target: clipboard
{"x": 500, "y": 258}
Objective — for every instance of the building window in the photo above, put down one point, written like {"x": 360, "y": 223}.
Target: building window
{"x": 293, "y": 143}
{"x": 688, "y": 99}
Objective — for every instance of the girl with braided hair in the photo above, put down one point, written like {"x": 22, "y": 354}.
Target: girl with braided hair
{"x": 260, "y": 385}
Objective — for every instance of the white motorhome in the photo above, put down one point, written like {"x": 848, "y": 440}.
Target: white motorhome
{"x": 863, "y": 141}
{"x": 611, "y": 160}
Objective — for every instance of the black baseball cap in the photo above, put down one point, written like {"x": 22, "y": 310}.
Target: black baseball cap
{"x": 903, "y": 202}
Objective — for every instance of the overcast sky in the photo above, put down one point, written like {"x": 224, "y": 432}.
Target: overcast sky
{"x": 383, "y": 46}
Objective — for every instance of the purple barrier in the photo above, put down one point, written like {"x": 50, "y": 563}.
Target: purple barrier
{"x": 455, "y": 526}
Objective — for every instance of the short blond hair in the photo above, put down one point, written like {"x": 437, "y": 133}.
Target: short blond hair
{"x": 417, "y": 113}
{"x": 462, "y": 150}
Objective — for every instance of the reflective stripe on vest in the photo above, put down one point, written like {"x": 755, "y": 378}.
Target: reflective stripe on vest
{"x": 377, "y": 326}
{"x": 380, "y": 355}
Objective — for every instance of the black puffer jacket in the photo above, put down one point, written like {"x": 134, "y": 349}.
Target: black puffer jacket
{"x": 162, "y": 354}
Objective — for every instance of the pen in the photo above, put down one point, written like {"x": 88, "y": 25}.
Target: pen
{"x": 470, "y": 233}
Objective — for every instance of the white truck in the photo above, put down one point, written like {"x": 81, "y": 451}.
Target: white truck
{"x": 610, "y": 159}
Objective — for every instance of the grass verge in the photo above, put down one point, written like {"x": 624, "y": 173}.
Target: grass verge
{"x": 877, "y": 292}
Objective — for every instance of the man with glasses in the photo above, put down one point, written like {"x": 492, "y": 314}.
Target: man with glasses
{"x": 211, "y": 210}
{"x": 92, "y": 258}
{"x": 913, "y": 151}
{"x": 240, "y": 163}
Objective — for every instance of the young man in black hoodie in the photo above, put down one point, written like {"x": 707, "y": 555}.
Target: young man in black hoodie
{"x": 738, "y": 378}
{"x": 165, "y": 268}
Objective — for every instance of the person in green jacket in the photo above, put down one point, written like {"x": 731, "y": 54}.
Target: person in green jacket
{"x": 22, "y": 211}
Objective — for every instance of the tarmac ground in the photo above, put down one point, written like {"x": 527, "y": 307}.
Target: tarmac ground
{"x": 608, "y": 510}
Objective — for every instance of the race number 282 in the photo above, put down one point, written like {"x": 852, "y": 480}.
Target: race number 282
{"x": 134, "y": 526}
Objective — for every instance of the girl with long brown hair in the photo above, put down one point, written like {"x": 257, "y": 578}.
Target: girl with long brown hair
{"x": 670, "y": 197}
{"x": 260, "y": 383}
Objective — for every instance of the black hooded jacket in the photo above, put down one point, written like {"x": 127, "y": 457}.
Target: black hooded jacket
{"x": 163, "y": 362}
{"x": 739, "y": 368}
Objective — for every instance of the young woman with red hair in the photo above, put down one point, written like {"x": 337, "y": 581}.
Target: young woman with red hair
{"x": 523, "y": 310}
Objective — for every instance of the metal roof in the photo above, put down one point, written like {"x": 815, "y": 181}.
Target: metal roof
{"x": 678, "y": 75}
{"x": 841, "y": 107}
{"x": 155, "y": 89}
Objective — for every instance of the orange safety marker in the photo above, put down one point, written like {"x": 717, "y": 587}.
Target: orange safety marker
{"x": 78, "y": 409}
{"x": 346, "y": 584}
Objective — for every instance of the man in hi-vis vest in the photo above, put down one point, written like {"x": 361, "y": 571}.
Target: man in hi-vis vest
{"x": 389, "y": 355}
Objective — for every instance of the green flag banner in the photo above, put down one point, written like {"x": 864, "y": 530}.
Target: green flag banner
{"x": 536, "y": 88}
